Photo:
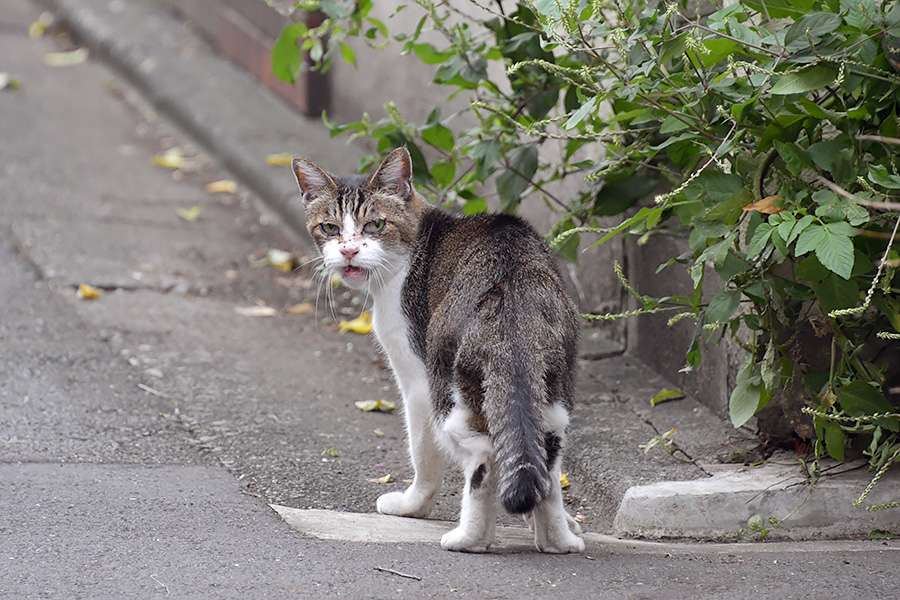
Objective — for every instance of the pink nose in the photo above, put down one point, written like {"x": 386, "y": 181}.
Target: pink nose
{"x": 349, "y": 251}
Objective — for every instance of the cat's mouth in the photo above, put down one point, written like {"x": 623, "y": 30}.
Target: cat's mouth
{"x": 354, "y": 274}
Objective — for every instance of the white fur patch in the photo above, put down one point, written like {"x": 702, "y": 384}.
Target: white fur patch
{"x": 556, "y": 418}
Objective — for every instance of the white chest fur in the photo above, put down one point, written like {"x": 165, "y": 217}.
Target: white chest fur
{"x": 392, "y": 331}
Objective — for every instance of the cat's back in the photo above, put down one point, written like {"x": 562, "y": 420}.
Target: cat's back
{"x": 466, "y": 269}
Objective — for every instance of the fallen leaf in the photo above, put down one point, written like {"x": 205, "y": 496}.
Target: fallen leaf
{"x": 223, "y": 186}
{"x": 39, "y": 28}
{"x": 8, "y": 82}
{"x": 564, "y": 480}
{"x": 66, "y": 59}
{"x": 87, "y": 292}
{"x": 765, "y": 206}
{"x": 375, "y": 405}
{"x": 173, "y": 158}
{"x": 385, "y": 479}
{"x": 665, "y": 395}
{"x": 255, "y": 311}
{"x": 189, "y": 214}
{"x": 361, "y": 324}
{"x": 279, "y": 160}
{"x": 301, "y": 308}
{"x": 281, "y": 260}
{"x": 378, "y": 432}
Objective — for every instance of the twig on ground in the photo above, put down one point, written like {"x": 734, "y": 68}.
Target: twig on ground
{"x": 398, "y": 573}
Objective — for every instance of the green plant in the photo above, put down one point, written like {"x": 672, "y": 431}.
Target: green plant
{"x": 773, "y": 124}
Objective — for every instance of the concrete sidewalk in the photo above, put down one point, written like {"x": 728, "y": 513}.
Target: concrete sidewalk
{"x": 624, "y": 490}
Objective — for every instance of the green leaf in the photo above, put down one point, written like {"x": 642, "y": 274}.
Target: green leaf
{"x": 665, "y": 395}
{"x": 429, "y": 55}
{"x": 348, "y": 54}
{"x": 672, "y": 48}
{"x": 517, "y": 178}
{"x": 718, "y": 49}
{"x": 795, "y": 158}
{"x": 859, "y": 398}
{"x": 780, "y": 9}
{"x": 620, "y": 195}
{"x": 579, "y": 115}
{"x": 443, "y": 172}
{"x": 807, "y": 80}
{"x": 879, "y": 174}
{"x": 832, "y": 245}
{"x": 438, "y": 136}
{"x": 759, "y": 240}
{"x": 475, "y": 206}
{"x": 748, "y": 396}
{"x": 834, "y": 293}
{"x": 287, "y": 58}
{"x": 722, "y": 306}
{"x": 812, "y": 26}
{"x": 834, "y": 440}
{"x": 824, "y": 153}
{"x": 835, "y": 251}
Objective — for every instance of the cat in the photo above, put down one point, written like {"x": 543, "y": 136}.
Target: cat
{"x": 481, "y": 337}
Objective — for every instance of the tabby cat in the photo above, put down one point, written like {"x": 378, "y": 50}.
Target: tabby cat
{"x": 481, "y": 338}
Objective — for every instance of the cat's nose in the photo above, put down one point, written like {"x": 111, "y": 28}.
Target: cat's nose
{"x": 349, "y": 251}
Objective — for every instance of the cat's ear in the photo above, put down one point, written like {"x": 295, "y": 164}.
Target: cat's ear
{"x": 395, "y": 174}
{"x": 312, "y": 180}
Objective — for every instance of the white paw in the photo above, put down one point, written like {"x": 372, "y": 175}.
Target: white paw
{"x": 459, "y": 540}
{"x": 405, "y": 504}
{"x": 564, "y": 543}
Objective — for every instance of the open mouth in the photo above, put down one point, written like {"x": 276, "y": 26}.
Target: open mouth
{"x": 354, "y": 274}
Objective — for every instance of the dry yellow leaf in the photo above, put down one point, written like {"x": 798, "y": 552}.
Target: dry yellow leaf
{"x": 188, "y": 214}
{"x": 279, "y": 160}
{"x": 87, "y": 292}
{"x": 39, "y": 27}
{"x": 255, "y": 311}
{"x": 301, "y": 308}
{"x": 7, "y": 81}
{"x": 564, "y": 480}
{"x": 361, "y": 324}
{"x": 66, "y": 59}
{"x": 173, "y": 158}
{"x": 281, "y": 260}
{"x": 385, "y": 479}
{"x": 223, "y": 186}
{"x": 375, "y": 405}
{"x": 378, "y": 432}
{"x": 765, "y": 206}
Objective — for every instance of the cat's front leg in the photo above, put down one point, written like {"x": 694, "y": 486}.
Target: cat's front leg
{"x": 428, "y": 462}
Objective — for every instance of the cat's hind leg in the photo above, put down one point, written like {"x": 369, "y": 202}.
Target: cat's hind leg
{"x": 555, "y": 531}
{"x": 478, "y": 515}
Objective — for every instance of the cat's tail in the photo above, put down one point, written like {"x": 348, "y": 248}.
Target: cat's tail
{"x": 515, "y": 423}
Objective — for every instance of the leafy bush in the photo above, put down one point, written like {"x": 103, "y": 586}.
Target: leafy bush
{"x": 775, "y": 126}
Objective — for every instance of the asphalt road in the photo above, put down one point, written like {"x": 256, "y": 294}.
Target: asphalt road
{"x": 144, "y": 434}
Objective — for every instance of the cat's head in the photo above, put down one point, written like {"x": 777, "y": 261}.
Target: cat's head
{"x": 364, "y": 227}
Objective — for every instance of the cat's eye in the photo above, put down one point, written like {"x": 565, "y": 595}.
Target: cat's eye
{"x": 329, "y": 228}
{"x": 374, "y": 226}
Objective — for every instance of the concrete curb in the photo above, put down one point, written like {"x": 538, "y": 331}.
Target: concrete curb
{"x": 384, "y": 529}
{"x": 239, "y": 123}
{"x": 721, "y": 506}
